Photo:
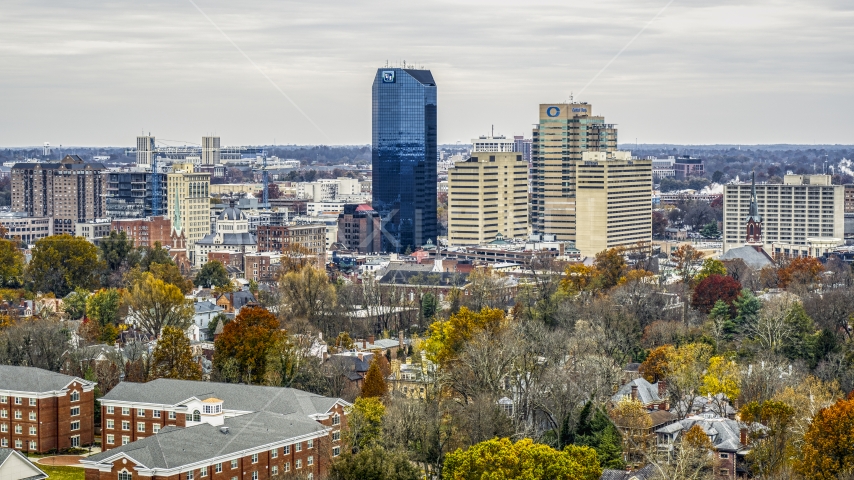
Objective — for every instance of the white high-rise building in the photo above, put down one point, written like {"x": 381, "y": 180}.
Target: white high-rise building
{"x": 210, "y": 151}
{"x": 493, "y": 144}
{"x": 144, "y": 150}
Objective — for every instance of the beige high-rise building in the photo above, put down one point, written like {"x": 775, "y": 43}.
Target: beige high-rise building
{"x": 487, "y": 196}
{"x": 613, "y": 201}
{"x": 564, "y": 132}
{"x": 144, "y": 150}
{"x": 803, "y": 216}
{"x": 188, "y": 202}
{"x": 67, "y": 192}
{"x": 210, "y": 151}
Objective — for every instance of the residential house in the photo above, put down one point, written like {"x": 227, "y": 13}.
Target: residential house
{"x": 234, "y": 301}
{"x": 205, "y": 311}
{"x": 652, "y": 396}
{"x": 648, "y": 472}
{"x": 728, "y": 438}
{"x": 42, "y": 411}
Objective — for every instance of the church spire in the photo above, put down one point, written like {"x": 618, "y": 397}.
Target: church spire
{"x": 754, "y": 220}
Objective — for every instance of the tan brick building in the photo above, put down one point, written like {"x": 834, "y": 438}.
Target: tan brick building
{"x": 68, "y": 192}
{"x": 215, "y": 431}
{"x": 360, "y": 229}
{"x": 145, "y": 232}
{"x": 43, "y": 411}
{"x": 280, "y": 239}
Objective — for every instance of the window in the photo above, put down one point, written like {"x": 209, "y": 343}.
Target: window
{"x": 125, "y": 411}
{"x": 111, "y": 424}
{"x": 190, "y": 475}
{"x": 18, "y": 415}
{"x": 197, "y": 417}
{"x": 4, "y": 427}
{"x": 17, "y": 400}
{"x": 212, "y": 409}
{"x": 724, "y": 472}
{"x": 111, "y": 439}
{"x": 75, "y": 425}
{"x": 203, "y": 472}
{"x": 310, "y": 443}
{"x": 336, "y": 435}
{"x": 299, "y": 447}
{"x": 75, "y": 441}
{"x": 3, "y": 399}
{"x": 111, "y": 409}
{"x": 33, "y": 429}
{"x": 310, "y": 460}
{"x": 156, "y": 413}
{"x": 32, "y": 415}
{"x": 35, "y": 446}
{"x": 287, "y": 449}
{"x": 125, "y": 439}
{"x": 336, "y": 419}
{"x": 32, "y": 402}
{"x": 287, "y": 467}
{"x": 274, "y": 453}
{"x": 140, "y": 427}
{"x": 233, "y": 464}
{"x": 125, "y": 425}
{"x": 254, "y": 475}
{"x": 299, "y": 463}
{"x": 4, "y": 413}
{"x": 19, "y": 429}
{"x": 172, "y": 415}
{"x": 724, "y": 455}
{"x": 19, "y": 443}
{"x": 4, "y": 442}
{"x": 140, "y": 412}
{"x": 125, "y": 475}
{"x": 275, "y": 470}
{"x": 155, "y": 428}
{"x": 75, "y": 411}
{"x": 336, "y": 451}
{"x": 254, "y": 458}
{"x": 218, "y": 468}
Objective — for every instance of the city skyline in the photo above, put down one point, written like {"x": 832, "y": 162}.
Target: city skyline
{"x": 724, "y": 74}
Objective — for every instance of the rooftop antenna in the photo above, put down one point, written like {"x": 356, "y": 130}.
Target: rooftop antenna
{"x": 571, "y": 98}
{"x": 493, "y": 131}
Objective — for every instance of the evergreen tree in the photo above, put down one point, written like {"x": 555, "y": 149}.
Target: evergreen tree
{"x": 747, "y": 308}
{"x": 374, "y": 385}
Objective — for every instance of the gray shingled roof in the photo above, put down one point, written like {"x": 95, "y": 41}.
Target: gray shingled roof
{"x": 244, "y": 238}
{"x": 647, "y": 392}
{"x": 645, "y": 473}
{"x": 175, "y": 447}
{"x": 32, "y": 379}
{"x": 749, "y": 255}
{"x": 6, "y": 452}
{"x": 246, "y": 398}
{"x": 725, "y": 434}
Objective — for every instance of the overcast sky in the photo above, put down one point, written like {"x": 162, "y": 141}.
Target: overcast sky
{"x": 93, "y": 72}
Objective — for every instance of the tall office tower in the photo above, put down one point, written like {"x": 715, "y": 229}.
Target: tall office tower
{"x": 210, "y": 151}
{"x": 68, "y": 192}
{"x": 487, "y": 197}
{"x": 523, "y": 146}
{"x": 614, "y": 201}
{"x": 188, "y": 202}
{"x": 404, "y": 156}
{"x": 144, "y": 150}
{"x": 565, "y": 131}
{"x": 131, "y": 194}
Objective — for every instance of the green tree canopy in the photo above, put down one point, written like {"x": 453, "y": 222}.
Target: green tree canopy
{"x": 11, "y": 264}
{"x": 155, "y": 304}
{"x": 213, "y": 274}
{"x": 173, "y": 357}
{"x": 62, "y": 263}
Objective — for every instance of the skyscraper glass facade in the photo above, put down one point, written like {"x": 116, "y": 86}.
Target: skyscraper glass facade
{"x": 404, "y": 155}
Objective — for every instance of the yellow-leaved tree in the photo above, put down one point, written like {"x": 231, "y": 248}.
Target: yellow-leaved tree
{"x": 721, "y": 381}
{"x": 501, "y": 459}
{"x": 448, "y": 338}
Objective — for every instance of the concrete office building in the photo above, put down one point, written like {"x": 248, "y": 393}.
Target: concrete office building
{"x": 488, "y": 196}
{"x": 188, "y": 202}
{"x": 686, "y": 166}
{"x": 145, "y": 150}
{"x": 23, "y": 228}
{"x": 614, "y": 201}
{"x": 68, "y": 192}
{"x": 210, "y": 151}
{"x": 491, "y": 143}
{"x": 803, "y": 216}
{"x": 564, "y": 132}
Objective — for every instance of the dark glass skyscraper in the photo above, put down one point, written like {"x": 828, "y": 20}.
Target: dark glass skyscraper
{"x": 404, "y": 156}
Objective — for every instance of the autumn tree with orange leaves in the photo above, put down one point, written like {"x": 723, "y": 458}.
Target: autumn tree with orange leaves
{"x": 800, "y": 272}
{"x": 828, "y": 450}
{"x": 246, "y": 342}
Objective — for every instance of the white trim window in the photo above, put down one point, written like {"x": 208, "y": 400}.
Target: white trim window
{"x": 218, "y": 468}
{"x": 111, "y": 409}
{"x": 274, "y": 453}
{"x": 33, "y": 429}
{"x": 336, "y": 451}
{"x": 75, "y": 411}
{"x": 140, "y": 427}
{"x": 336, "y": 419}
{"x": 275, "y": 470}
{"x": 287, "y": 449}
{"x": 111, "y": 424}
{"x": 125, "y": 439}
{"x": 233, "y": 464}
{"x": 310, "y": 460}
{"x": 125, "y": 475}
{"x": 111, "y": 439}
{"x": 75, "y": 425}
{"x": 33, "y": 402}
{"x": 155, "y": 428}
{"x": 309, "y": 444}
{"x": 190, "y": 475}
{"x": 125, "y": 410}
{"x": 203, "y": 472}
{"x": 33, "y": 416}
{"x": 75, "y": 396}
{"x": 254, "y": 458}
{"x": 140, "y": 412}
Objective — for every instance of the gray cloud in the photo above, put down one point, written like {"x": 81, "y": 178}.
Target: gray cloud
{"x": 97, "y": 72}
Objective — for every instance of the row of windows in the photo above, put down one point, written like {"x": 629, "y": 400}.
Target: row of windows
{"x": 19, "y": 444}
{"x": 140, "y": 426}
{"x": 140, "y": 412}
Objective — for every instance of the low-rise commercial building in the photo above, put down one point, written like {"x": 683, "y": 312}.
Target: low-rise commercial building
{"x": 20, "y": 226}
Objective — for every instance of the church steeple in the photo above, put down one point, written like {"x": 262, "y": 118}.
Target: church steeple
{"x": 754, "y": 220}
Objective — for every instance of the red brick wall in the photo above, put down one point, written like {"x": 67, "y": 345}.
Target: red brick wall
{"x": 148, "y": 419}
{"x": 53, "y": 420}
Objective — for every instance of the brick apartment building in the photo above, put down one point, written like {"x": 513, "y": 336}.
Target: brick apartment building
{"x": 262, "y": 267}
{"x": 187, "y": 430}
{"x": 43, "y": 411}
{"x": 145, "y": 232}
{"x": 360, "y": 229}
{"x": 68, "y": 192}
{"x": 278, "y": 239}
